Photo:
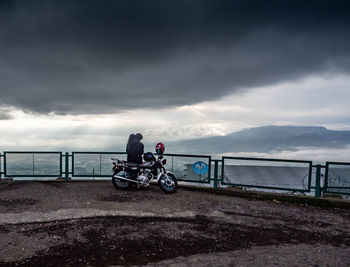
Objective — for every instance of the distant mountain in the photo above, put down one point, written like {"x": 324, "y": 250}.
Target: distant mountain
{"x": 264, "y": 139}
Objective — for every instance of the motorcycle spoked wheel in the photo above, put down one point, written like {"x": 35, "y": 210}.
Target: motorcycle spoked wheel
{"x": 168, "y": 185}
{"x": 119, "y": 184}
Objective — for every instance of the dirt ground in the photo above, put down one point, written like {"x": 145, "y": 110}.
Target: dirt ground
{"x": 92, "y": 224}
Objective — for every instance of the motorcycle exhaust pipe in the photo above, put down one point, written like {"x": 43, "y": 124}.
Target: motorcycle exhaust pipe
{"x": 125, "y": 179}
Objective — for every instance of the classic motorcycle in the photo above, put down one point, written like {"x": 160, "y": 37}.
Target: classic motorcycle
{"x": 125, "y": 174}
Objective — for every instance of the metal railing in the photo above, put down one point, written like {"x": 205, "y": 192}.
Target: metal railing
{"x": 93, "y": 164}
{"x": 337, "y": 178}
{"x": 245, "y": 172}
{"x": 32, "y": 164}
{"x": 98, "y": 165}
{"x": 285, "y": 174}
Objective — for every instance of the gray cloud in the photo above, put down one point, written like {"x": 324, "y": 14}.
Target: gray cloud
{"x": 5, "y": 113}
{"x": 104, "y": 56}
{"x": 5, "y": 116}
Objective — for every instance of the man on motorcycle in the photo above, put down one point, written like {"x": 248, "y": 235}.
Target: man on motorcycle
{"x": 135, "y": 149}
{"x": 126, "y": 175}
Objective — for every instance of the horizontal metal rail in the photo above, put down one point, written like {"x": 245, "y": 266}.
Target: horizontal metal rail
{"x": 267, "y": 159}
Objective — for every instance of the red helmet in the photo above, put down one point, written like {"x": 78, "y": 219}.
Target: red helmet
{"x": 160, "y": 148}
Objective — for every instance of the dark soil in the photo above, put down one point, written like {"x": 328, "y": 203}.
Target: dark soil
{"x": 293, "y": 221}
{"x": 9, "y": 186}
{"x": 52, "y": 184}
{"x": 128, "y": 240}
{"x": 127, "y": 197}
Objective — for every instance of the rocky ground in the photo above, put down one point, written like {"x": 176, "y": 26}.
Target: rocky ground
{"x": 92, "y": 224}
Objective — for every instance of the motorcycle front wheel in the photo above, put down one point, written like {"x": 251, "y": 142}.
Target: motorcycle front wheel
{"x": 118, "y": 183}
{"x": 168, "y": 183}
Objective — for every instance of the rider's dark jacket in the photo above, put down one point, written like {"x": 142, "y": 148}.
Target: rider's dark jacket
{"x": 134, "y": 150}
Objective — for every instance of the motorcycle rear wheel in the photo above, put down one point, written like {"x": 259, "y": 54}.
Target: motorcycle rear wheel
{"x": 119, "y": 184}
{"x": 168, "y": 184}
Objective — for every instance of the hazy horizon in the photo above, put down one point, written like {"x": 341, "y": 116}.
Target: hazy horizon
{"x": 317, "y": 154}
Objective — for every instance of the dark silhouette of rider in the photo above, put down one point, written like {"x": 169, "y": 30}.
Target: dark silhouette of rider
{"x": 135, "y": 148}
{"x": 131, "y": 138}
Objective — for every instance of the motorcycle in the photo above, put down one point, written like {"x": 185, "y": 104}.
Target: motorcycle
{"x": 126, "y": 174}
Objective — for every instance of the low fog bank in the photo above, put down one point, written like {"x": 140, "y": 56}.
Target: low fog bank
{"x": 317, "y": 155}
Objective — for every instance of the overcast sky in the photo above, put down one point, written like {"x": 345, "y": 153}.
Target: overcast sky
{"x": 87, "y": 73}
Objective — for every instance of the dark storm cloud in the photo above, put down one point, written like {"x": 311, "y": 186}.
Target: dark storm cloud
{"x": 103, "y": 56}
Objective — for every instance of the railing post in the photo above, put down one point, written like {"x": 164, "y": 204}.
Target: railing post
{"x": 318, "y": 181}
{"x": 0, "y": 166}
{"x": 216, "y": 173}
{"x": 67, "y": 167}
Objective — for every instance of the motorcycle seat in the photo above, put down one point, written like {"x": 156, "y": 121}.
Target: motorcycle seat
{"x": 131, "y": 164}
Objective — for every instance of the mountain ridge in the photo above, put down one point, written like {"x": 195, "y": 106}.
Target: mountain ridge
{"x": 265, "y": 139}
